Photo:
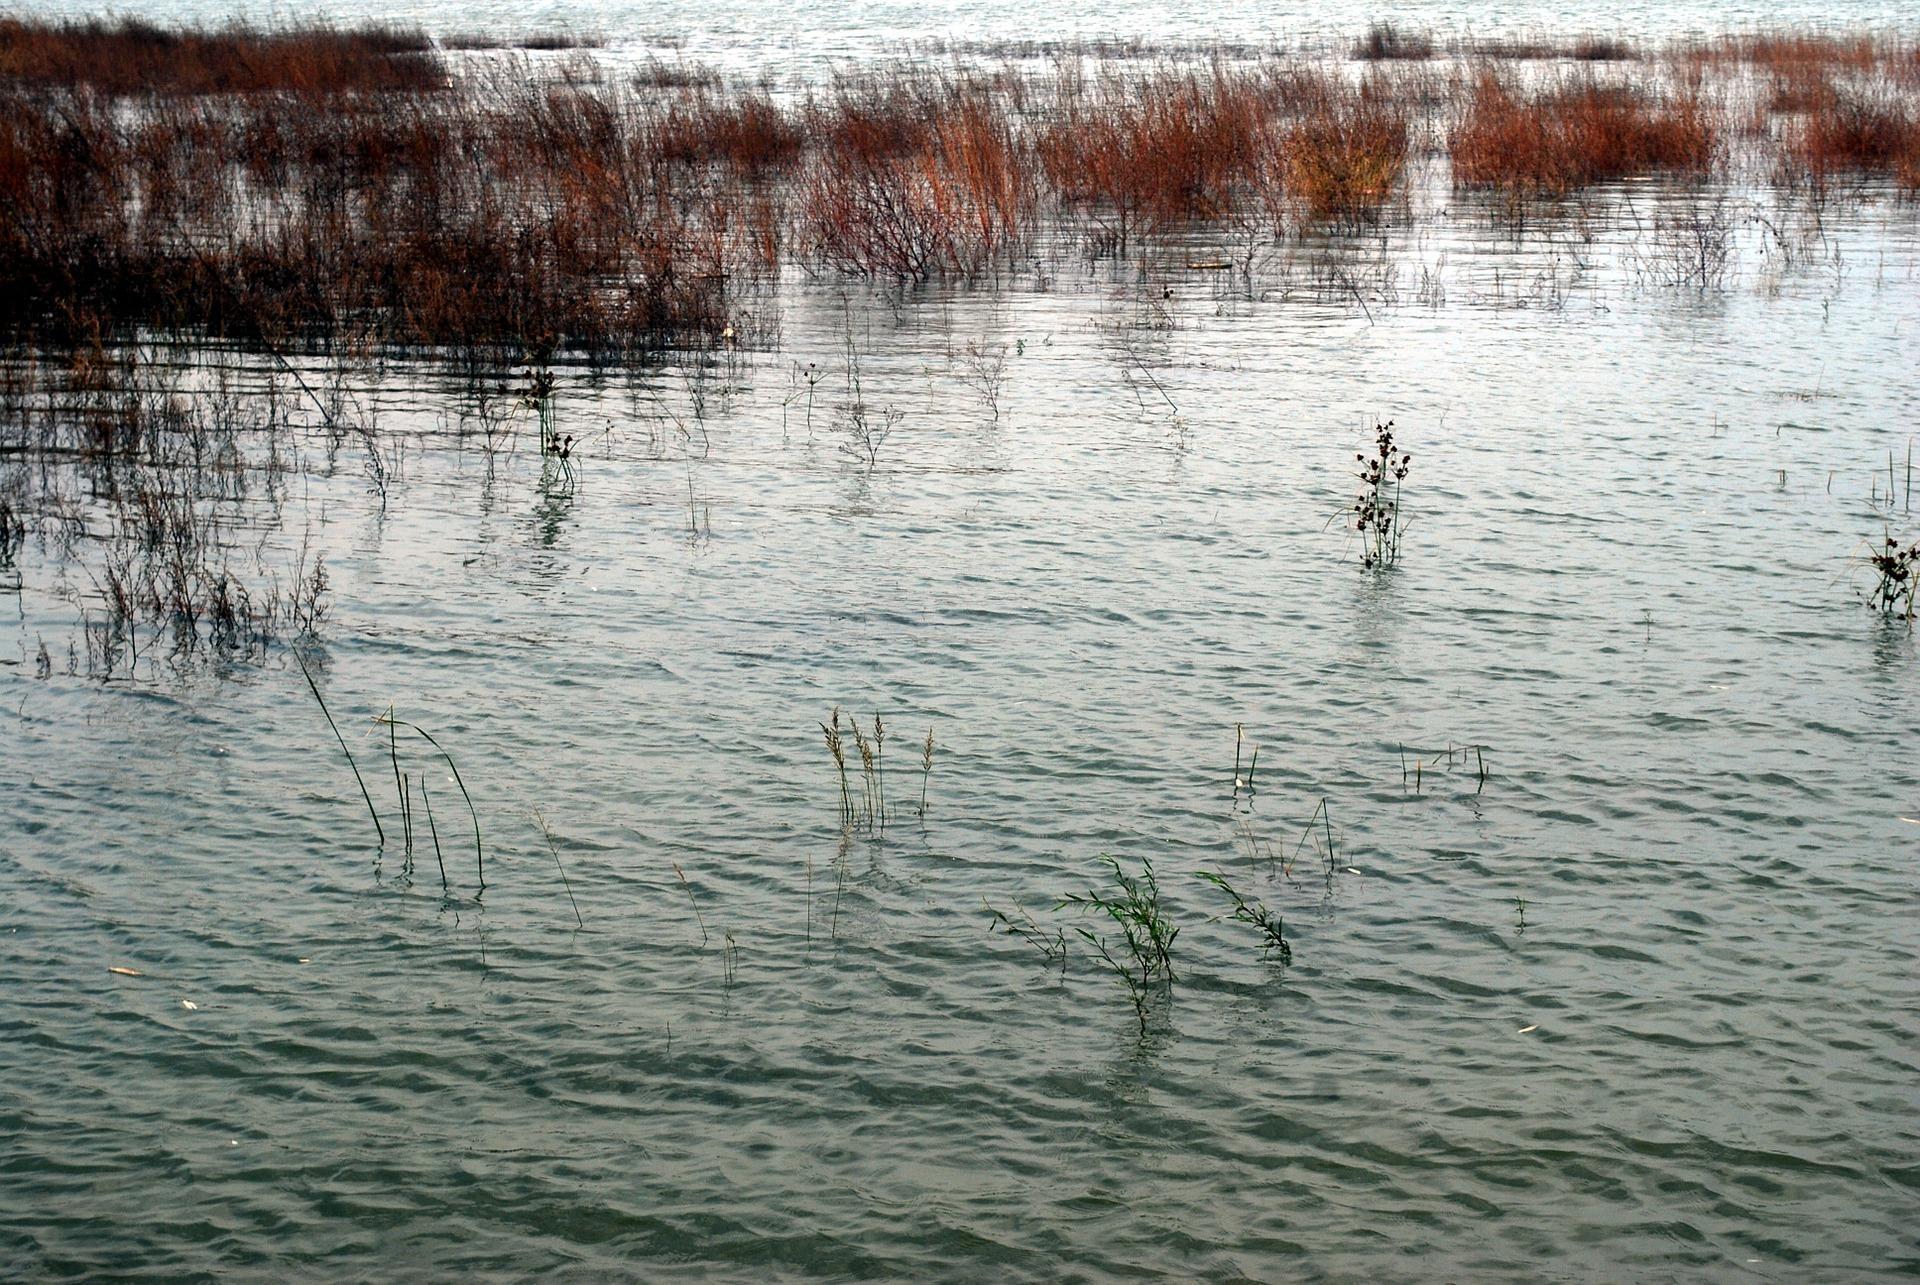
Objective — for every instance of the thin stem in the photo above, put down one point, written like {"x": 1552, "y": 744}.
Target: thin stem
{"x": 435, "y": 831}
{"x": 692, "y": 900}
{"x": 377, "y": 827}
{"x": 479, "y": 860}
{"x": 564, "y": 881}
{"x": 393, "y": 753}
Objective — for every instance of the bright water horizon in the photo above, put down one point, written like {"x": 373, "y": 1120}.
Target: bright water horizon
{"x": 809, "y": 39}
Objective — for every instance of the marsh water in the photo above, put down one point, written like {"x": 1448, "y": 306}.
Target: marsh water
{"x": 1623, "y": 991}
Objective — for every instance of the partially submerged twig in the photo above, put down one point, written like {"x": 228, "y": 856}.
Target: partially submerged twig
{"x": 692, "y": 900}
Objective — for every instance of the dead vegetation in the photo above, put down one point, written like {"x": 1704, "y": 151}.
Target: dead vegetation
{"x": 358, "y": 191}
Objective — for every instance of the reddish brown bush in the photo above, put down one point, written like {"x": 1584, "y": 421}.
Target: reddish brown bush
{"x": 949, "y": 205}
{"x": 132, "y": 57}
{"x": 750, "y": 133}
{"x": 1860, "y": 134}
{"x": 1341, "y": 159}
{"x": 1169, "y": 148}
{"x": 1574, "y": 133}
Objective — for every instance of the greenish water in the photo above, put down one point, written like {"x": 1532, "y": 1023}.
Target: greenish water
{"x": 1639, "y": 1005}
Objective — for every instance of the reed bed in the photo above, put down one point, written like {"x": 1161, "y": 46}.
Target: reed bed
{"x": 1856, "y": 133}
{"x": 1575, "y": 132}
{"x": 475, "y": 225}
{"x": 359, "y": 191}
{"x": 128, "y": 56}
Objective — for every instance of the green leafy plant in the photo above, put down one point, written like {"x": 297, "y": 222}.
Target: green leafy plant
{"x": 1143, "y": 958}
{"x": 1273, "y": 929}
{"x": 1052, "y": 945}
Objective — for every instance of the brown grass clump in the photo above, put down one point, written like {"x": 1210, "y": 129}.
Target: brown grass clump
{"x": 1859, "y": 134}
{"x": 658, "y": 74}
{"x": 1800, "y": 70}
{"x": 1574, "y": 133}
{"x": 913, "y": 198}
{"x": 1172, "y": 147}
{"x": 1795, "y": 53}
{"x": 133, "y": 57}
{"x": 749, "y": 133}
{"x": 1341, "y": 159}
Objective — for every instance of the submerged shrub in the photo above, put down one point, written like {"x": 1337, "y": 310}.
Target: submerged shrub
{"x": 1385, "y": 41}
{"x": 1273, "y": 929}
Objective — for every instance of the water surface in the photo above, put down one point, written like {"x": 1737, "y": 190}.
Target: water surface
{"x": 1638, "y": 1004}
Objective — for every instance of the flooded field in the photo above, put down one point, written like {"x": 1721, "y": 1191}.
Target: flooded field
{"x": 728, "y": 728}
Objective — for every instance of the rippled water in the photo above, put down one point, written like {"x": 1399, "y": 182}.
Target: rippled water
{"x": 1638, "y": 1005}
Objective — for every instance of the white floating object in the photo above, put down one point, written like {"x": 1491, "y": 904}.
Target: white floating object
{"x": 1525, "y": 1029}
{"x": 189, "y": 1005}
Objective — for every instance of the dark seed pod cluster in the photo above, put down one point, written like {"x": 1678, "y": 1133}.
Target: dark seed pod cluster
{"x": 539, "y": 387}
{"x": 1376, "y": 511}
{"x": 1898, "y": 570}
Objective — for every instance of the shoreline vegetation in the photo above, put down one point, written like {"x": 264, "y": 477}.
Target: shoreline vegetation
{"x": 350, "y": 191}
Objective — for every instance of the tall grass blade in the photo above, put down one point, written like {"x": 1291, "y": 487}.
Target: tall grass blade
{"x": 315, "y": 688}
